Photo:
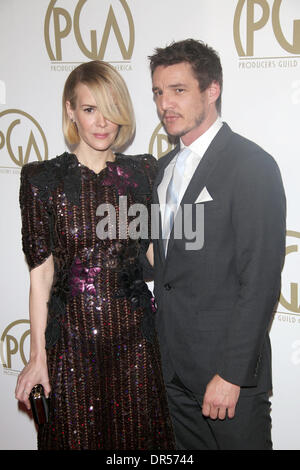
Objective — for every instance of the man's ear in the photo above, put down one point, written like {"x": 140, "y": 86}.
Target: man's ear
{"x": 214, "y": 91}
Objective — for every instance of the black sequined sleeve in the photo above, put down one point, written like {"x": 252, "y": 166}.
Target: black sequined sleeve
{"x": 35, "y": 221}
{"x": 149, "y": 164}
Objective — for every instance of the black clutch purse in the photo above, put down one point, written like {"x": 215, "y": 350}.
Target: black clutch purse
{"x": 39, "y": 405}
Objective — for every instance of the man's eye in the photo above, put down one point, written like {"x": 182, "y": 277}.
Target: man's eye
{"x": 179, "y": 90}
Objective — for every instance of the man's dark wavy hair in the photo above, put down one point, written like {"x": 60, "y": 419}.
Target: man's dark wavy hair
{"x": 203, "y": 59}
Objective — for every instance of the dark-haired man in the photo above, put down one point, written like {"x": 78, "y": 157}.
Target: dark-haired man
{"x": 215, "y": 300}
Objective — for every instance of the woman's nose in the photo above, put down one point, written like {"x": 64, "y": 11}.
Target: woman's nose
{"x": 100, "y": 119}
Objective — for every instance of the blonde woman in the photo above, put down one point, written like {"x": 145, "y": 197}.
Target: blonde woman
{"x": 93, "y": 344}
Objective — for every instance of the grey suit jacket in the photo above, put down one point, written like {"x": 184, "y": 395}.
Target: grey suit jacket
{"x": 215, "y": 304}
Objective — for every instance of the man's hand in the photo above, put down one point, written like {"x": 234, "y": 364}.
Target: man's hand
{"x": 220, "y": 397}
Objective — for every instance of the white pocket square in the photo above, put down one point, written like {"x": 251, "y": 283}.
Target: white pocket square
{"x": 204, "y": 196}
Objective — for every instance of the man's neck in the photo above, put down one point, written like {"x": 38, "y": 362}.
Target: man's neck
{"x": 193, "y": 135}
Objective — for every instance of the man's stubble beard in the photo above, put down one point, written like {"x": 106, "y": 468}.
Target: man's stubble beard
{"x": 198, "y": 121}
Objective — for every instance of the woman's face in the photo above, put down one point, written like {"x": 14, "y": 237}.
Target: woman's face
{"x": 94, "y": 130}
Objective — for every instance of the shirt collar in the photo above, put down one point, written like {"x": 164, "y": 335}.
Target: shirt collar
{"x": 200, "y": 145}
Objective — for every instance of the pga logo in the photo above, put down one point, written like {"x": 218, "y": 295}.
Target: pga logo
{"x": 21, "y": 138}
{"x": 14, "y": 346}
{"x": 97, "y": 28}
{"x": 252, "y": 17}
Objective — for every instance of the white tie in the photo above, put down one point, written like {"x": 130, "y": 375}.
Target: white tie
{"x": 172, "y": 194}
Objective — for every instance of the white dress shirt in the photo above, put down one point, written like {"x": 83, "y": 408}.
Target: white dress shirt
{"x": 198, "y": 149}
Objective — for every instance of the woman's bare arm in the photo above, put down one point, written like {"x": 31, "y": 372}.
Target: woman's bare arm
{"x": 36, "y": 371}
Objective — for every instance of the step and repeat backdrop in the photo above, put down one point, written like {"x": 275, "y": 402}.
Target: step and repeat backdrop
{"x": 42, "y": 41}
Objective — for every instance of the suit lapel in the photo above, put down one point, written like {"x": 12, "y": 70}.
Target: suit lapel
{"x": 204, "y": 169}
{"x": 155, "y": 200}
{"x": 206, "y": 165}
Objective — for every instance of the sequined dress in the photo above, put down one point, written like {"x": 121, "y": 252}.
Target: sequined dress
{"x": 102, "y": 351}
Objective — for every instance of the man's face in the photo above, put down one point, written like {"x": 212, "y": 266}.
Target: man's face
{"x": 182, "y": 107}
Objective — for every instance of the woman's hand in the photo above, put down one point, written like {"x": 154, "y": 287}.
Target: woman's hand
{"x": 35, "y": 372}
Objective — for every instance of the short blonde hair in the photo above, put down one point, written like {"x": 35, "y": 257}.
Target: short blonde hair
{"x": 111, "y": 95}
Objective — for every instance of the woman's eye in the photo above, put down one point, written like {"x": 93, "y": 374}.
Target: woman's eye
{"x": 88, "y": 110}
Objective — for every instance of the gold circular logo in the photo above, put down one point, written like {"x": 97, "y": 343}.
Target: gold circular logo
{"x": 59, "y": 24}
{"x": 244, "y": 43}
{"x": 292, "y": 303}
{"x": 23, "y": 137}
{"x": 160, "y": 142}
{"x": 12, "y": 349}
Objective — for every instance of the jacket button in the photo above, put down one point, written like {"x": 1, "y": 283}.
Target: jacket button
{"x": 167, "y": 286}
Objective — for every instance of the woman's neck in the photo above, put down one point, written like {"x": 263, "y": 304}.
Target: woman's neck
{"x": 94, "y": 159}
